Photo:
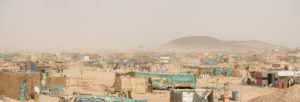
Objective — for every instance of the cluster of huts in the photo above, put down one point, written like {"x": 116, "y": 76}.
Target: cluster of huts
{"x": 274, "y": 78}
{"x": 29, "y": 77}
{"x": 29, "y": 85}
{"x": 183, "y": 87}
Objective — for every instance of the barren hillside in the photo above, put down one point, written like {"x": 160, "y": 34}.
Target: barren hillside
{"x": 210, "y": 43}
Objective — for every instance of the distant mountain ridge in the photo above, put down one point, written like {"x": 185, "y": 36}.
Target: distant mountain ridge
{"x": 210, "y": 43}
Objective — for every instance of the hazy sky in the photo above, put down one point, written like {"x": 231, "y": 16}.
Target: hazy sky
{"x": 100, "y": 24}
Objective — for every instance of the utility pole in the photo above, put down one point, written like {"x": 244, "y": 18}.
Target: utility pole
{"x": 79, "y": 80}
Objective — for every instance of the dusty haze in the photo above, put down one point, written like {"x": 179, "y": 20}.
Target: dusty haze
{"x": 99, "y": 24}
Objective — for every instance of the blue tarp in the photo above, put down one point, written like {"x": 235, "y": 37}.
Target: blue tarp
{"x": 33, "y": 67}
{"x": 8, "y": 60}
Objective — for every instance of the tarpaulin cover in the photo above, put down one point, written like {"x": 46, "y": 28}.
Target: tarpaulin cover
{"x": 23, "y": 91}
{"x": 56, "y": 90}
{"x": 225, "y": 71}
{"x": 98, "y": 98}
{"x": 33, "y": 67}
{"x": 4, "y": 57}
{"x": 173, "y": 79}
{"x": 210, "y": 61}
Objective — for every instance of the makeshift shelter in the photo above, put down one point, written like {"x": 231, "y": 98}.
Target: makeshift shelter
{"x": 269, "y": 77}
{"x": 32, "y": 66}
{"x": 191, "y": 95}
{"x": 275, "y": 78}
{"x": 137, "y": 85}
{"x": 55, "y": 86}
{"x": 55, "y": 81}
{"x": 162, "y": 81}
{"x": 288, "y": 77}
{"x": 225, "y": 71}
{"x": 174, "y": 59}
{"x": 4, "y": 57}
{"x": 164, "y": 59}
{"x": 20, "y": 85}
{"x": 203, "y": 72}
{"x": 236, "y": 73}
{"x": 276, "y": 65}
{"x": 210, "y": 62}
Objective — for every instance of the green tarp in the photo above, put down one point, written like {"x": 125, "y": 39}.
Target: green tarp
{"x": 225, "y": 71}
{"x": 210, "y": 61}
{"x": 99, "y": 98}
{"x": 4, "y": 57}
{"x": 23, "y": 91}
{"x": 173, "y": 79}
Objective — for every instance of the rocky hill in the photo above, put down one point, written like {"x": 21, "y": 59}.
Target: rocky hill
{"x": 210, "y": 43}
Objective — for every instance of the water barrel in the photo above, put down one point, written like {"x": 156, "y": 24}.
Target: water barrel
{"x": 279, "y": 84}
{"x": 259, "y": 79}
{"x": 235, "y": 95}
{"x": 285, "y": 83}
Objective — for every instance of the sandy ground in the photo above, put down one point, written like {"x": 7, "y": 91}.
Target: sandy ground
{"x": 85, "y": 81}
{"x": 41, "y": 99}
{"x": 281, "y": 95}
{"x": 88, "y": 81}
{"x": 246, "y": 92}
